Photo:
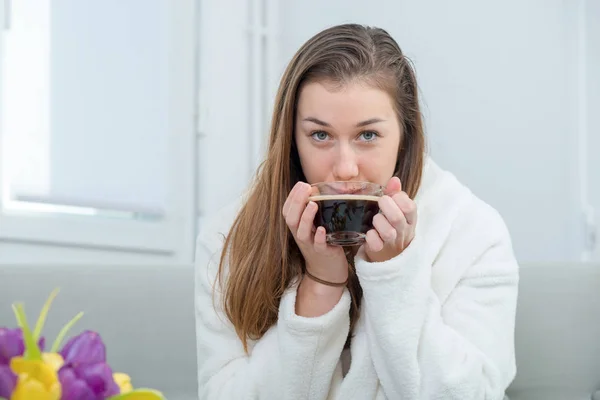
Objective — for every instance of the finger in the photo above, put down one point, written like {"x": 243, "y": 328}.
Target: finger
{"x": 288, "y": 200}
{"x": 392, "y": 212}
{"x": 320, "y": 240}
{"x": 297, "y": 206}
{"x": 373, "y": 241}
{"x": 408, "y": 207}
{"x": 304, "y": 233}
{"x": 393, "y": 186}
{"x": 385, "y": 230}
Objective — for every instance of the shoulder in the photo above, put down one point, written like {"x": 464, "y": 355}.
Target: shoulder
{"x": 210, "y": 241}
{"x": 466, "y": 236}
{"x": 209, "y": 246}
{"x": 444, "y": 201}
{"x": 216, "y": 226}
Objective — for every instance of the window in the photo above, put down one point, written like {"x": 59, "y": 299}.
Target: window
{"x": 97, "y": 124}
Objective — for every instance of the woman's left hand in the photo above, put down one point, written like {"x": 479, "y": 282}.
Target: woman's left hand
{"x": 394, "y": 226}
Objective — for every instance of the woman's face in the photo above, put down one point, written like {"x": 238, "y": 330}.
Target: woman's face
{"x": 346, "y": 134}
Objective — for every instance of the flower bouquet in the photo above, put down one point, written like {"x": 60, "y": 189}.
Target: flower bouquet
{"x": 75, "y": 371}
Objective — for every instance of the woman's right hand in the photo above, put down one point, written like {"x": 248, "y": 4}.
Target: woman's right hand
{"x": 323, "y": 261}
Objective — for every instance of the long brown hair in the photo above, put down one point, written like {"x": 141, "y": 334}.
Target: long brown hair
{"x": 260, "y": 252}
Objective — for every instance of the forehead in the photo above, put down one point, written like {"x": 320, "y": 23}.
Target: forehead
{"x": 354, "y": 100}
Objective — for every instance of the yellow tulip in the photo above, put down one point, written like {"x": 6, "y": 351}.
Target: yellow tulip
{"x": 140, "y": 394}
{"x": 123, "y": 381}
{"x": 54, "y": 360}
{"x": 36, "y": 380}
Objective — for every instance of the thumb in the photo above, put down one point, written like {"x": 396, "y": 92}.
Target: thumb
{"x": 393, "y": 186}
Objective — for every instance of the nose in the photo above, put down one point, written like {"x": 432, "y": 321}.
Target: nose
{"x": 346, "y": 166}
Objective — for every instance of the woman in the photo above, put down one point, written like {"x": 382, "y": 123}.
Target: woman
{"x": 424, "y": 310}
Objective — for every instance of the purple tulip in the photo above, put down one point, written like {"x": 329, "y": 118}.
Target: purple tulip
{"x": 87, "y": 382}
{"x": 84, "y": 349}
{"x": 8, "y": 380}
{"x": 12, "y": 345}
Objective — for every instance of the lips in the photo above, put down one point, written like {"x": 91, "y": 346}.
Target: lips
{"x": 348, "y": 191}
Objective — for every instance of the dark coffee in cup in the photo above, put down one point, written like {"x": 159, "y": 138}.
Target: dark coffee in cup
{"x": 346, "y": 217}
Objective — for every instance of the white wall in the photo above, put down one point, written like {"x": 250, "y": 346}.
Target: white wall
{"x": 593, "y": 109}
{"x": 224, "y": 156}
{"x": 498, "y": 88}
{"x": 237, "y": 87}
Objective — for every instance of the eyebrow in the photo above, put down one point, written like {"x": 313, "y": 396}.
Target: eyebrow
{"x": 360, "y": 124}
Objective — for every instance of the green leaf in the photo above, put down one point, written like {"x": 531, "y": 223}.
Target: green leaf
{"x": 63, "y": 332}
{"x": 39, "y": 326}
{"x": 140, "y": 394}
{"x": 32, "y": 351}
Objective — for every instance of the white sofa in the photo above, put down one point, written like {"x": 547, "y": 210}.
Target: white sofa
{"x": 146, "y": 317}
{"x": 558, "y": 333}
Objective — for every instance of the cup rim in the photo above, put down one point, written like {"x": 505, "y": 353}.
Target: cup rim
{"x": 375, "y": 189}
{"x": 373, "y": 184}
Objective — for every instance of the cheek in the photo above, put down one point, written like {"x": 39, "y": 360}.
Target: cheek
{"x": 314, "y": 162}
{"x": 379, "y": 166}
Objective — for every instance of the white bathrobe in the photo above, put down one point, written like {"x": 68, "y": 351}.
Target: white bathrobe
{"x": 437, "y": 321}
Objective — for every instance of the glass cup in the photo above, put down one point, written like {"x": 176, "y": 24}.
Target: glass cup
{"x": 346, "y": 210}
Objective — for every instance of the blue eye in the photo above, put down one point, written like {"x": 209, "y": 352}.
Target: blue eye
{"x": 369, "y": 136}
{"x": 320, "y": 136}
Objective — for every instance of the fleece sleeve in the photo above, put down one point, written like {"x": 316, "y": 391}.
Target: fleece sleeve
{"x": 460, "y": 349}
{"x": 295, "y": 359}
